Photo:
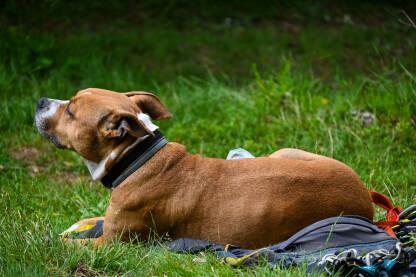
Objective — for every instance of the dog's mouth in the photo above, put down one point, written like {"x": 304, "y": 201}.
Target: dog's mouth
{"x": 54, "y": 140}
{"x": 42, "y": 126}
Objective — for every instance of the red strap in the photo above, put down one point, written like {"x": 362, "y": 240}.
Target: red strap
{"x": 382, "y": 201}
{"x": 386, "y": 226}
{"x": 392, "y": 212}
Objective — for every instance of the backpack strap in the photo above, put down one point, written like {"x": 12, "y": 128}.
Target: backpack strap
{"x": 346, "y": 219}
{"x": 393, "y": 213}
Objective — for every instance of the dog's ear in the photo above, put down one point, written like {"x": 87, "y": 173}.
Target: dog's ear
{"x": 150, "y": 104}
{"x": 119, "y": 125}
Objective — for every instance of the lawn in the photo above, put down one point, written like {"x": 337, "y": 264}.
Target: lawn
{"x": 259, "y": 77}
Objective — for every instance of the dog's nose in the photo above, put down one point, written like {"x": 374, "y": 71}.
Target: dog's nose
{"x": 42, "y": 103}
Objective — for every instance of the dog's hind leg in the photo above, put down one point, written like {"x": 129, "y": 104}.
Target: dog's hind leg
{"x": 297, "y": 154}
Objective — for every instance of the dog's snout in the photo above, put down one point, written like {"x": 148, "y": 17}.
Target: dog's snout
{"x": 42, "y": 103}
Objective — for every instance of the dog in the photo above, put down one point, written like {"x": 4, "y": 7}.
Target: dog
{"x": 158, "y": 187}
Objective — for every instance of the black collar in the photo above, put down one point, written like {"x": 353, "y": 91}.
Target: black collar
{"x": 134, "y": 159}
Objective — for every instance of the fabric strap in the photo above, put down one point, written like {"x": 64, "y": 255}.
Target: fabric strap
{"x": 134, "y": 159}
{"x": 393, "y": 213}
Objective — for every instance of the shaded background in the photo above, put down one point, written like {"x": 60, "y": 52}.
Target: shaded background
{"x": 161, "y": 40}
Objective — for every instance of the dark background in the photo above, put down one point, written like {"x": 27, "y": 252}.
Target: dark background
{"x": 164, "y": 39}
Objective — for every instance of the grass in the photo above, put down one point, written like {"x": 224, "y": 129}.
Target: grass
{"x": 259, "y": 85}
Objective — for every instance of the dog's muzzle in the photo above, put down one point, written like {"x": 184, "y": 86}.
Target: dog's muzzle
{"x": 45, "y": 109}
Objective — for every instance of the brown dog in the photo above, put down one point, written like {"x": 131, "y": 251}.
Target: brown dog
{"x": 246, "y": 202}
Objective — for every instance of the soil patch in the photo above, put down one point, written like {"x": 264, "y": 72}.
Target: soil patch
{"x": 30, "y": 156}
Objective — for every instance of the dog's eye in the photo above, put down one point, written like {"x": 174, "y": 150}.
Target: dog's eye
{"x": 69, "y": 112}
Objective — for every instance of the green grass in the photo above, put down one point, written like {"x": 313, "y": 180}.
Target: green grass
{"x": 258, "y": 85}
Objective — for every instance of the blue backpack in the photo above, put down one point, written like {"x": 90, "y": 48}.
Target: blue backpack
{"x": 346, "y": 245}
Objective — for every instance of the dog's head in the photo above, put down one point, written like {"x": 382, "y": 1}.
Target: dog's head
{"x": 99, "y": 124}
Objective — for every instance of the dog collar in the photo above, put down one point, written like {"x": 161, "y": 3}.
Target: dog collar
{"x": 134, "y": 159}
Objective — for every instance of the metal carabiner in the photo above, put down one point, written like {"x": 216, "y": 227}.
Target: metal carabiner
{"x": 406, "y": 212}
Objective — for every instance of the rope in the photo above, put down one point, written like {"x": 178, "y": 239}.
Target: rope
{"x": 351, "y": 258}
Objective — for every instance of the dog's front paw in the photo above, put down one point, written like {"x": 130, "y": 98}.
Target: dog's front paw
{"x": 90, "y": 228}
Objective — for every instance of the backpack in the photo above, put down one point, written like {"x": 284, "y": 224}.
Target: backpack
{"x": 345, "y": 244}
